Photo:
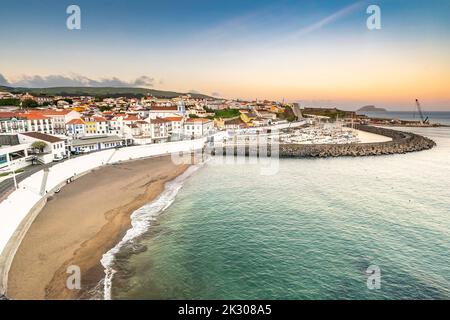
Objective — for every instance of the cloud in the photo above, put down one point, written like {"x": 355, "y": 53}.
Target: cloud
{"x": 75, "y": 80}
{"x": 328, "y": 19}
{"x": 3, "y": 81}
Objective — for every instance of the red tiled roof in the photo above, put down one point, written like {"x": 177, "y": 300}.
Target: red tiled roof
{"x": 42, "y": 136}
{"x": 160, "y": 120}
{"x": 75, "y": 121}
{"x": 168, "y": 109}
{"x": 33, "y": 116}
{"x": 131, "y": 117}
{"x": 8, "y": 115}
{"x": 99, "y": 119}
{"x": 51, "y": 112}
{"x": 174, "y": 118}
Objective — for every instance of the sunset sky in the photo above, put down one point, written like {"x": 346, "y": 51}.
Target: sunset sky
{"x": 317, "y": 52}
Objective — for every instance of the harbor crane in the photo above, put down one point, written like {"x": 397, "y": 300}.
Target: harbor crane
{"x": 423, "y": 120}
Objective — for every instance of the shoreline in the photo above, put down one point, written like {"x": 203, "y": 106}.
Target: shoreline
{"x": 110, "y": 195}
{"x": 68, "y": 236}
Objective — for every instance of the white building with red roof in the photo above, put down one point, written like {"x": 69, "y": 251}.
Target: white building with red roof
{"x": 198, "y": 127}
{"x": 59, "y": 118}
{"x": 11, "y": 122}
{"x": 101, "y": 125}
{"x": 96, "y": 125}
{"x": 38, "y": 122}
{"x": 176, "y": 124}
{"x": 160, "y": 129}
{"x": 116, "y": 125}
{"x": 76, "y": 128}
{"x": 164, "y": 112}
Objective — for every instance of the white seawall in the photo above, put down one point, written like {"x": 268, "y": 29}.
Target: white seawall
{"x": 19, "y": 209}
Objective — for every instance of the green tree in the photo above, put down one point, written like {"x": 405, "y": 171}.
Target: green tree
{"x": 227, "y": 113}
{"x": 29, "y": 103}
{"x": 9, "y": 102}
{"x": 105, "y": 108}
{"x": 39, "y": 145}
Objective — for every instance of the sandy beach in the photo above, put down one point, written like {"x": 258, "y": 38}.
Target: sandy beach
{"x": 82, "y": 222}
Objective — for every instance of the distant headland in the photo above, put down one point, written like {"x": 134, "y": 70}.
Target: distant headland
{"x": 371, "y": 109}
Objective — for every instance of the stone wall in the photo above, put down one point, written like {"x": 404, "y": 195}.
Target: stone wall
{"x": 402, "y": 142}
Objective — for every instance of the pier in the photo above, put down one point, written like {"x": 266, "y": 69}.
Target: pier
{"x": 400, "y": 143}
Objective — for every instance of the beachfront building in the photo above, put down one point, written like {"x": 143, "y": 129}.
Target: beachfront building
{"x": 198, "y": 127}
{"x": 76, "y": 128}
{"x": 47, "y": 121}
{"x": 116, "y": 125}
{"x": 13, "y": 155}
{"x": 96, "y": 143}
{"x": 144, "y": 128}
{"x": 37, "y": 122}
{"x": 101, "y": 125}
{"x": 160, "y": 129}
{"x": 59, "y": 118}
{"x": 89, "y": 126}
{"x": 176, "y": 124}
{"x": 10, "y": 122}
{"x": 140, "y": 131}
{"x": 55, "y": 148}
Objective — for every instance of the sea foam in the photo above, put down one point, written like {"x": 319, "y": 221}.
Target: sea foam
{"x": 141, "y": 220}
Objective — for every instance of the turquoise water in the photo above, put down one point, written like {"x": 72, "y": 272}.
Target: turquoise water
{"x": 308, "y": 232}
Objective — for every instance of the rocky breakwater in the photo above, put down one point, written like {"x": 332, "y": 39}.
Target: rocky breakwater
{"x": 402, "y": 142}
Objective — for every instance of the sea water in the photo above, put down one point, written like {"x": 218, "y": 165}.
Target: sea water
{"x": 435, "y": 117}
{"x": 310, "y": 231}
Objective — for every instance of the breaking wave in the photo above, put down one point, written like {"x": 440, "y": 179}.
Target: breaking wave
{"x": 141, "y": 220}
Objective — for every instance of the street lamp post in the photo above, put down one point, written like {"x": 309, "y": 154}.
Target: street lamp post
{"x": 13, "y": 171}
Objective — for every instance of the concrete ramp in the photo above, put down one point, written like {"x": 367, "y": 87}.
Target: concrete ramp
{"x": 44, "y": 182}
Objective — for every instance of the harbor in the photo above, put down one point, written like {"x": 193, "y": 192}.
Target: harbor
{"x": 323, "y": 142}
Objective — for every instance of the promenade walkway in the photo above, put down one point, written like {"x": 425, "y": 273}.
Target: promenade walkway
{"x": 19, "y": 208}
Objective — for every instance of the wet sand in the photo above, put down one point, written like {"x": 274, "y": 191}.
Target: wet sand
{"x": 81, "y": 223}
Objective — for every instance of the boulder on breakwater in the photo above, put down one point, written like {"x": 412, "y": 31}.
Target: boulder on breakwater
{"x": 402, "y": 142}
